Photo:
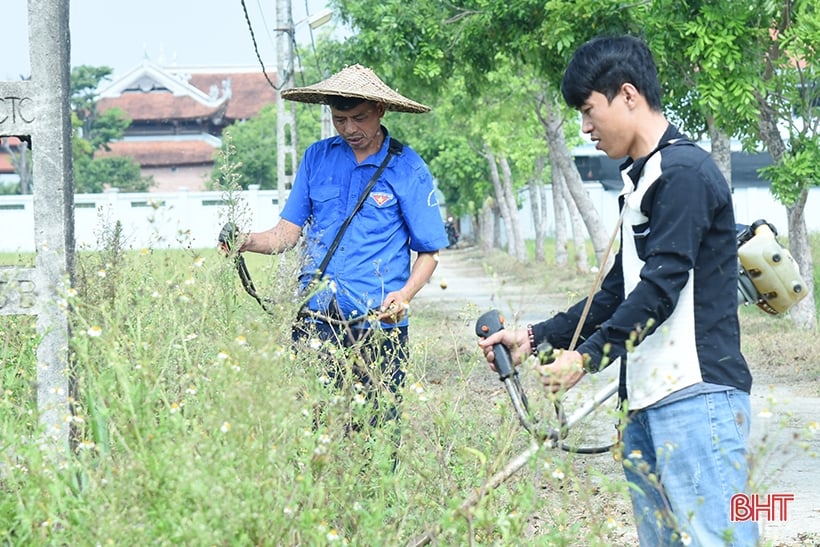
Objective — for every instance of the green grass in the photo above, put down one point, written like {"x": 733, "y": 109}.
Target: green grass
{"x": 195, "y": 426}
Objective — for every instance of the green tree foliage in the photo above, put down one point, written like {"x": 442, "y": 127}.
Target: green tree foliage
{"x": 84, "y": 83}
{"x": 791, "y": 96}
{"x": 736, "y": 60}
{"x": 254, "y": 141}
{"x": 483, "y": 59}
{"x": 752, "y": 69}
{"x": 387, "y": 31}
{"x": 254, "y": 146}
{"x": 113, "y": 172}
{"x": 702, "y": 50}
{"x": 93, "y": 132}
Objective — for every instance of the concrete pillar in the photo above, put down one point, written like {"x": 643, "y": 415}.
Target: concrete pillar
{"x": 39, "y": 109}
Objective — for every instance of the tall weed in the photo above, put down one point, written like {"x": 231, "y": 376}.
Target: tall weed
{"x": 195, "y": 423}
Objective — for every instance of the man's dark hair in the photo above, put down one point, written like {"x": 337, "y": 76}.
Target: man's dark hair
{"x": 344, "y": 103}
{"x": 604, "y": 64}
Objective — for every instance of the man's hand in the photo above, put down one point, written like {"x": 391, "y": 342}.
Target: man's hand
{"x": 393, "y": 308}
{"x": 230, "y": 239}
{"x": 563, "y": 373}
{"x": 517, "y": 340}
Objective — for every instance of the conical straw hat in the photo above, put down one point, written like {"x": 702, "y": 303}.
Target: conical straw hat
{"x": 354, "y": 81}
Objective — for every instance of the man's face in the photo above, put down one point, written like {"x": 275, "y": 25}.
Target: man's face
{"x": 360, "y": 126}
{"x": 608, "y": 123}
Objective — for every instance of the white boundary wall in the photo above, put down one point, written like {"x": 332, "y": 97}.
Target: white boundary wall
{"x": 154, "y": 220}
{"x": 186, "y": 219}
{"x": 750, "y": 203}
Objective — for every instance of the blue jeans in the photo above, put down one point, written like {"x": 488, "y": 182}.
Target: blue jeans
{"x": 684, "y": 461}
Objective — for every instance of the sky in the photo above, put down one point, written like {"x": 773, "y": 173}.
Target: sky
{"x": 122, "y": 33}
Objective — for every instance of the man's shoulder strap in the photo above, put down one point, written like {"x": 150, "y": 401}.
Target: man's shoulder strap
{"x": 393, "y": 149}
{"x": 395, "y": 146}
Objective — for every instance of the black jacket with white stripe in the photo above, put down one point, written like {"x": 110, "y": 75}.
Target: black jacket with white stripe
{"x": 669, "y": 303}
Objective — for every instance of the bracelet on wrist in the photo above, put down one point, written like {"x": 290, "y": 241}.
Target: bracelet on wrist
{"x": 531, "y": 336}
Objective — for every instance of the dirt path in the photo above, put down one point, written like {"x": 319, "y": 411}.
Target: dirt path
{"x": 785, "y": 454}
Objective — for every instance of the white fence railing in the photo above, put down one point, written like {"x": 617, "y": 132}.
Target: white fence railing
{"x": 186, "y": 219}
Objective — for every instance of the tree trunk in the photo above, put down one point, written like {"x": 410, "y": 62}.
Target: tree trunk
{"x": 501, "y": 201}
{"x": 486, "y": 226}
{"x": 579, "y": 242}
{"x": 549, "y": 115}
{"x": 515, "y": 219}
{"x": 803, "y": 314}
{"x": 544, "y": 219}
{"x": 721, "y": 149}
{"x": 560, "y": 195}
{"x": 538, "y": 204}
{"x": 497, "y": 225}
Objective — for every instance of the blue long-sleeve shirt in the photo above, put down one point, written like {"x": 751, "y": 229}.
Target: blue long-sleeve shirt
{"x": 400, "y": 214}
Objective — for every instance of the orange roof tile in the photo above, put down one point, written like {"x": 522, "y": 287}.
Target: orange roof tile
{"x": 158, "y": 106}
{"x": 5, "y": 163}
{"x": 250, "y": 91}
{"x": 163, "y": 153}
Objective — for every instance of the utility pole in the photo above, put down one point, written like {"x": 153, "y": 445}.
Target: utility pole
{"x": 285, "y": 112}
{"x": 327, "y": 123}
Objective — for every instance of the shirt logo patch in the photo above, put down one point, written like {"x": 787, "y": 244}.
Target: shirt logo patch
{"x": 381, "y": 198}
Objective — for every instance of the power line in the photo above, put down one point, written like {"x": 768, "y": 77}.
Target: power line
{"x": 256, "y": 48}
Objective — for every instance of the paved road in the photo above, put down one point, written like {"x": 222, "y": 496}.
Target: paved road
{"x": 462, "y": 283}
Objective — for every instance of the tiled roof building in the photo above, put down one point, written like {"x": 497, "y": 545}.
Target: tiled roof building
{"x": 178, "y": 115}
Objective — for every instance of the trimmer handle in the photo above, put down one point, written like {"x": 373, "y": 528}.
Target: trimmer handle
{"x": 490, "y": 323}
{"x": 228, "y": 235}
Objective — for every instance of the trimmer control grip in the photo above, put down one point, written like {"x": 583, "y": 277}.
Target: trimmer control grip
{"x": 490, "y": 323}
{"x": 228, "y": 235}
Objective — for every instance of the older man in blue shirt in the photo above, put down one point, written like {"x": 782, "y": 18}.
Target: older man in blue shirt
{"x": 368, "y": 278}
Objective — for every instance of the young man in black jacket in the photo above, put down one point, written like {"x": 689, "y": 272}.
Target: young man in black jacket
{"x": 667, "y": 309}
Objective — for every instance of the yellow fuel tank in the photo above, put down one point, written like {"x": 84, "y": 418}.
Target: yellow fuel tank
{"x": 772, "y": 269}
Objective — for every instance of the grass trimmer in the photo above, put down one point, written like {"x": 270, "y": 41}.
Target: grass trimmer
{"x": 228, "y": 236}
{"x": 492, "y": 322}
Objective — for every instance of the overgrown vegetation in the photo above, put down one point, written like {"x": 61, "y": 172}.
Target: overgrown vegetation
{"x": 195, "y": 425}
